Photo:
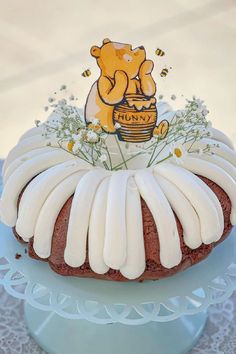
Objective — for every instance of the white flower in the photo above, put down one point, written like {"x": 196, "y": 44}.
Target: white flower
{"x": 62, "y": 102}
{"x": 117, "y": 126}
{"x": 103, "y": 158}
{"x": 205, "y": 112}
{"x": 37, "y": 122}
{"x": 76, "y": 147}
{"x": 67, "y": 132}
{"x": 92, "y": 137}
{"x": 95, "y": 121}
{"x": 178, "y": 151}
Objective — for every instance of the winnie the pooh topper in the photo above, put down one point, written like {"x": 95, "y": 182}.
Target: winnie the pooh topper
{"x": 123, "y": 97}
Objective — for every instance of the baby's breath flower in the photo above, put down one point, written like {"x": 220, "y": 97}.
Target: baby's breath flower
{"x": 95, "y": 121}
{"x": 76, "y": 148}
{"x": 51, "y": 99}
{"x": 62, "y": 102}
{"x": 117, "y": 126}
{"x": 37, "y": 122}
{"x": 92, "y": 137}
{"x": 173, "y": 97}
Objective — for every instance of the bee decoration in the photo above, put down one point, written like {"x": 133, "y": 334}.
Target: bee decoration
{"x": 164, "y": 72}
{"x": 86, "y": 73}
{"x": 159, "y": 52}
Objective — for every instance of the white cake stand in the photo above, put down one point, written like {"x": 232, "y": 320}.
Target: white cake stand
{"x": 68, "y": 315}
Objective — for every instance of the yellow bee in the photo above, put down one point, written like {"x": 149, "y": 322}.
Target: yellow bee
{"x": 164, "y": 72}
{"x": 159, "y": 52}
{"x": 86, "y": 73}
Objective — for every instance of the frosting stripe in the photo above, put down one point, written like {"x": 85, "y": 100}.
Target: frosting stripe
{"x": 201, "y": 202}
{"x": 215, "y": 201}
{"x": 184, "y": 211}
{"x": 170, "y": 251}
{"x": 96, "y": 235}
{"x": 21, "y": 159}
{"x": 115, "y": 248}
{"x": 219, "y": 161}
{"x": 217, "y": 175}
{"x": 220, "y": 136}
{"x": 49, "y": 213}
{"x": 32, "y": 133}
{"x": 75, "y": 251}
{"x": 22, "y": 175}
{"x": 223, "y": 150}
{"x": 136, "y": 261}
{"x": 37, "y": 192}
{"x": 23, "y": 147}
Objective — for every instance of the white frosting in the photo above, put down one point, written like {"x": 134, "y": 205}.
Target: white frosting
{"x": 219, "y": 161}
{"x": 201, "y": 202}
{"x": 21, "y": 159}
{"x": 28, "y": 144}
{"x": 217, "y": 175}
{"x": 75, "y": 252}
{"x": 115, "y": 248}
{"x": 32, "y": 132}
{"x": 223, "y": 150}
{"x": 22, "y": 175}
{"x": 184, "y": 210}
{"x": 151, "y": 192}
{"x": 220, "y": 136}
{"x": 135, "y": 261}
{"x": 46, "y": 220}
{"x": 38, "y": 191}
{"x": 106, "y": 215}
{"x": 97, "y": 225}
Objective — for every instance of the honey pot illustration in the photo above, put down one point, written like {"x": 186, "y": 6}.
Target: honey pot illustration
{"x": 123, "y": 97}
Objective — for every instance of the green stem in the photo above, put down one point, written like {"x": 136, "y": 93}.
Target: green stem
{"x": 109, "y": 156}
{"x": 154, "y": 150}
{"x": 165, "y": 158}
{"x": 129, "y": 159}
{"x": 69, "y": 152}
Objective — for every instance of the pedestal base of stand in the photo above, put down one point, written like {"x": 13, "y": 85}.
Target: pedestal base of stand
{"x": 57, "y": 335}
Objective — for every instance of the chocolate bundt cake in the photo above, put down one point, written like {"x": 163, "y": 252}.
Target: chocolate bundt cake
{"x": 153, "y": 266}
{"x": 127, "y": 189}
{"x": 118, "y": 225}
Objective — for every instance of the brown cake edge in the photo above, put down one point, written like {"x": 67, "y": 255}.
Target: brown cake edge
{"x": 154, "y": 270}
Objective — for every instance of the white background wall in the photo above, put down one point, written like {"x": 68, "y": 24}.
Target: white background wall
{"x": 44, "y": 44}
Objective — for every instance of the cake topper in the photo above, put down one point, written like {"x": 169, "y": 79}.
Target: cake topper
{"x": 123, "y": 97}
{"x": 120, "y": 128}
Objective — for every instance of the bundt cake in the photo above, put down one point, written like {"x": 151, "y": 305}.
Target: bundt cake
{"x": 93, "y": 203}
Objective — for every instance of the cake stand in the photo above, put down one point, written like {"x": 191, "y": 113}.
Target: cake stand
{"x": 68, "y": 315}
